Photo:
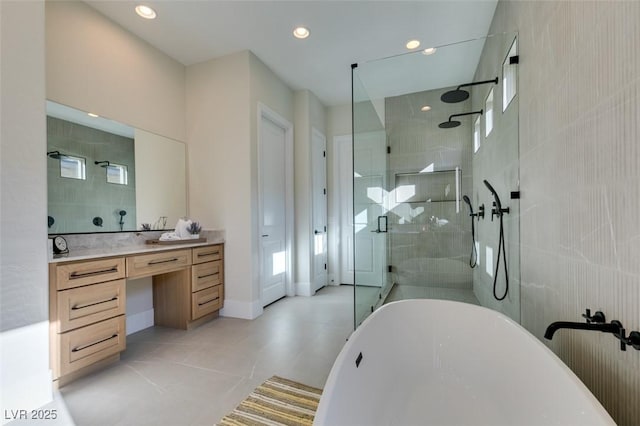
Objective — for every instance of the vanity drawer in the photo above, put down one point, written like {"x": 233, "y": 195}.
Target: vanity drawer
{"x": 77, "y": 274}
{"x": 206, "y": 275}
{"x": 207, "y": 254}
{"x": 86, "y": 305}
{"x": 206, "y": 301}
{"x": 87, "y": 345}
{"x": 157, "y": 263}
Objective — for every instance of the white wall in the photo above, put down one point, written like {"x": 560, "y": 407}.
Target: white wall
{"x": 96, "y": 66}
{"x": 218, "y": 132}
{"x": 267, "y": 89}
{"x": 338, "y": 124}
{"x": 160, "y": 178}
{"x": 309, "y": 113}
{"x": 24, "y": 344}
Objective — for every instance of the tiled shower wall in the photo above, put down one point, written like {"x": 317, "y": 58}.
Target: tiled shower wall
{"x": 430, "y": 242}
{"x": 73, "y": 203}
{"x": 579, "y": 94}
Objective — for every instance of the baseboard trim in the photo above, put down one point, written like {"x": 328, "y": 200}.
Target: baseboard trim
{"x": 241, "y": 309}
{"x": 139, "y": 321}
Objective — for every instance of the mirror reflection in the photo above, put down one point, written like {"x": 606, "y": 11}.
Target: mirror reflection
{"x": 104, "y": 176}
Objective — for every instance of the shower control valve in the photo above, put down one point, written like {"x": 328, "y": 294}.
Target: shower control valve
{"x": 480, "y": 213}
{"x": 495, "y": 211}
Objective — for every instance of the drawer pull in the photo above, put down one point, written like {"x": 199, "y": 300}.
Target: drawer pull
{"x": 75, "y": 308}
{"x": 208, "y": 301}
{"x": 157, "y": 262}
{"x": 210, "y": 253}
{"x": 77, "y": 275}
{"x": 81, "y": 348}
{"x": 208, "y": 275}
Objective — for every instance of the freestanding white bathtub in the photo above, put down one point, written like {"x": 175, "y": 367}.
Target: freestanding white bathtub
{"x": 435, "y": 362}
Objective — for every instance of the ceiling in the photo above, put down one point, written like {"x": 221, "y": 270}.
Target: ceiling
{"x": 342, "y": 33}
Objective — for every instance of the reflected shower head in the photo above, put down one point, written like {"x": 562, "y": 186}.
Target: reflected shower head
{"x": 449, "y": 124}
{"x": 468, "y": 202}
{"x": 55, "y": 155}
{"x": 459, "y": 95}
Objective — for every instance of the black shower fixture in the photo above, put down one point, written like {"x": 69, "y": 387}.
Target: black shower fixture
{"x": 56, "y": 155}
{"x": 499, "y": 211}
{"x": 104, "y": 164}
{"x": 459, "y": 95}
{"x": 473, "y": 258}
{"x": 449, "y": 124}
{"x": 122, "y": 214}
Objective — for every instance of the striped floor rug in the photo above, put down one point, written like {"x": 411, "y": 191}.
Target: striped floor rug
{"x": 277, "y": 401}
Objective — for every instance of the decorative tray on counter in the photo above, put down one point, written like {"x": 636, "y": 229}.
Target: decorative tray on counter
{"x": 171, "y": 242}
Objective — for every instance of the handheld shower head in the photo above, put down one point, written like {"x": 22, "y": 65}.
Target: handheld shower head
{"x": 495, "y": 196}
{"x": 468, "y": 201}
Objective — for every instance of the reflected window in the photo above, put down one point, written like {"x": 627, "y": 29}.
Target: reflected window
{"x": 278, "y": 259}
{"x": 488, "y": 114}
{"x": 509, "y": 74}
{"x": 117, "y": 173}
{"x": 318, "y": 244}
{"x": 73, "y": 167}
{"x": 489, "y": 260}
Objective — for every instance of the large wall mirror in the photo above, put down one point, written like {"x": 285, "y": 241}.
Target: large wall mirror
{"x": 105, "y": 176}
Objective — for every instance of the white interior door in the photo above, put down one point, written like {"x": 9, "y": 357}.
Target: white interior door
{"x": 319, "y": 185}
{"x": 369, "y": 200}
{"x": 273, "y": 214}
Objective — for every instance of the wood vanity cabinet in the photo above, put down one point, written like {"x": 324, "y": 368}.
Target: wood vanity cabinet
{"x": 87, "y": 301}
{"x": 87, "y": 305}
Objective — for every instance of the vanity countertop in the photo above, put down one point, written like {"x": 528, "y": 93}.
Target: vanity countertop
{"x": 129, "y": 246}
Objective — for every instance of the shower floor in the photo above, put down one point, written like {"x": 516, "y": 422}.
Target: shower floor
{"x": 401, "y": 292}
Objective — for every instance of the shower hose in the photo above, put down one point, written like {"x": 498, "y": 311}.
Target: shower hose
{"x": 501, "y": 247}
{"x": 473, "y": 259}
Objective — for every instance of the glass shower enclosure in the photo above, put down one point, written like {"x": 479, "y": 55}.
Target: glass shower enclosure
{"x": 419, "y": 166}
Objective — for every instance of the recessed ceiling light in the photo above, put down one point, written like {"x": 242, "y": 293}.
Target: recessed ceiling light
{"x": 146, "y": 12}
{"x": 90, "y": 114}
{"x": 429, "y": 51}
{"x": 413, "y": 44}
{"x": 425, "y": 108}
{"x": 301, "y": 32}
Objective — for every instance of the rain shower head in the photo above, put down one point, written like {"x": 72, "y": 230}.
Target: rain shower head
{"x": 459, "y": 95}
{"x": 104, "y": 164}
{"x": 55, "y": 155}
{"x": 449, "y": 124}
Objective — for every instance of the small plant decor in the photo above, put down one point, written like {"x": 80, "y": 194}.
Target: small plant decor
{"x": 194, "y": 228}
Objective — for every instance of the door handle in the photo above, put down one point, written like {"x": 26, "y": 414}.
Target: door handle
{"x": 265, "y": 235}
{"x": 380, "y": 228}
{"x": 317, "y": 232}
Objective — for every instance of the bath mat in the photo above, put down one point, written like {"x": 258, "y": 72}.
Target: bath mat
{"x": 277, "y": 401}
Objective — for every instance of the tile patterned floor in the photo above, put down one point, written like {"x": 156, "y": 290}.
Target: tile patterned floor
{"x": 173, "y": 377}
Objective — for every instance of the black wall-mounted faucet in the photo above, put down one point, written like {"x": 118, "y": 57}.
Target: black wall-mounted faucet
{"x": 597, "y": 323}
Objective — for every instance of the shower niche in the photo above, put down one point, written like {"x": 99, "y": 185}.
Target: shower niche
{"x": 429, "y": 168}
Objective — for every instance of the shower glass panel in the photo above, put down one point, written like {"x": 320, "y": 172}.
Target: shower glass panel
{"x": 414, "y": 161}
{"x": 370, "y": 201}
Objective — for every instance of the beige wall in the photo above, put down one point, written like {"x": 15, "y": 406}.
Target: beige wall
{"x": 95, "y": 65}
{"x": 24, "y": 357}
{"x": 579, "y": 90}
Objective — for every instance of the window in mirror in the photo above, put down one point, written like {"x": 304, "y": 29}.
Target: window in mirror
{"x": 117, "y": 173}
{"x": 476, "y": 135}
{"x": 509, "y": 74}
{"x": 488, "y": 114}
{"x": 72, "y": 167}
